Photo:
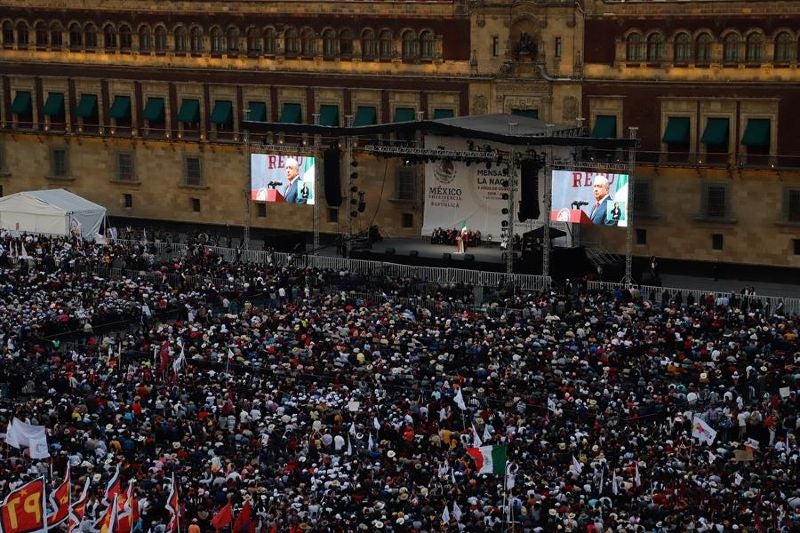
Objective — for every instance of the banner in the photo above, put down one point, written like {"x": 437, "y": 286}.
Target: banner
{"x": 21, "y": 434}
{"x": 590, "y": 198}
{"x": 460, "y": 196}
{"x": 23, "y": 510}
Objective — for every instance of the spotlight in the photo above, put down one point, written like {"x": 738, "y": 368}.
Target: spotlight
{"x": 505, "y": 196}
{"x": 504, "y": 183}
{"x": 353, "y": 189}
{"x": 354, "y": 175}
{"x": 504, "y": 211}
{"x": 353, "y": 163}
{"x": 504, "y": 223}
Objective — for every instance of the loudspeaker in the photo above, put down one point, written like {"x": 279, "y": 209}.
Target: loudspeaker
{"x": 469, "y": 257}
{"x": 413, "y": 253}
{"x": 529, "y": 194}
{"x": 447, "y": 256}
{"x": 333, "y": 189}
{"x": 389, "y": 251}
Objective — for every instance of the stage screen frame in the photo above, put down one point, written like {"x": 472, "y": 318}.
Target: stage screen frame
{"x": 268, "y": 172}
{"x": 574, "y": 200}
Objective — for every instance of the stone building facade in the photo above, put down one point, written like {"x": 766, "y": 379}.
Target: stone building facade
{"x": 139, "y": 105}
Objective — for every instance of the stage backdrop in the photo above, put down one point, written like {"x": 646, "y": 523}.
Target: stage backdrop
{"x": 457, "y": 195}
{"x": 574, "y": 190}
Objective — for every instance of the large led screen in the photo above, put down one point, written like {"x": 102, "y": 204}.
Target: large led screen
{"x": 590, "y": 198}
{"x": 282, "y": 178}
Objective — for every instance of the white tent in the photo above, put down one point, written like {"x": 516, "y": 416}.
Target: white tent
{"x": 52, "y": 211}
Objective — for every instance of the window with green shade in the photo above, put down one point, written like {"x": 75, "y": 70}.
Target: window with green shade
{"x": 329, "y": 115}
{"x": 716, "y": 132}
{"x": 189, "y": 112}
{"x": 222, "y": 115}
{"x": 442, "y": 113}
{"x": 154, "y": 110}
{"x": 365, "y": 116}
{"x": 121, "y": 108}
{"x": 405, "y": 114}
{"x": 291, "y": 114}
{"x": 54, "y": 106}
{"x": 605, "y": 127}
{"x": 677, "y": 131}
{"x": 256, "y": 112}
{"x": 22, "y": 104}
{"x": 87, "y": 107}
{"x": 757, "y": 133}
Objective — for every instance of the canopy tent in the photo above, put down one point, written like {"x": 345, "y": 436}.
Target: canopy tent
{"x": 52, "y": 211}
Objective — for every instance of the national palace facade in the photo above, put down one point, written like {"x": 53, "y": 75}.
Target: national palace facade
{"x": 140, "y": 105}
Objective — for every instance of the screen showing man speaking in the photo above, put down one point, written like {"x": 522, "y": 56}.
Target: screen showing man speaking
{"x": 590, "y": 198}
{"x": 282, "y": 178}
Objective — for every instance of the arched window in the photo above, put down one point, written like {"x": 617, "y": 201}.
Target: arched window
{"x": 75, "y": 36}
{"x": 386, "y": 47}
{"x": 655, "y": 48}
{"x": 125, "y": 39}
{"x": 270, "y": 41}
{"x": 730, "y": 48}
{"x": 22, "y": 35}
{"x": 196, "y": 40}
{"x": 308, "y": 42}
{"x": 90, "y": 36}
{"x": 345, "y": 43}
{"x": 41, "y": 35}
{"x": 634, "y": 49}
{"x": 217, "y": 41}
{"x": 109, "y": 37}
{"x": 683, "y": 48}
{"x": 410, "y": 45}
{"x": 8, "y": 34}
{"x": 253, "y": 41}
{"x": 181, "y": 44}
{"x": 328, "y": 44}
{"x": 784, "y": 48}
{"x": 161, "y": 39}
{"x": 56, "y": 35}
{"x": 368, "y": 45}
{"x": 292, "y": 43}
{"x": 427, "y": 50}
{"x": 145, "y": 39}
{"x": 754, "y": 51}
{"x": 702, "y": 51}
{"x": 233, "y": 41}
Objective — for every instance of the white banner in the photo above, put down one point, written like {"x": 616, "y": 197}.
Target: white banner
{"x": 458, "y": 195}
{"x": 21, "y": 434}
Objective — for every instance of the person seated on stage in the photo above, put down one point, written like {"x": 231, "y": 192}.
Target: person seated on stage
{"x": 477, "y": 237}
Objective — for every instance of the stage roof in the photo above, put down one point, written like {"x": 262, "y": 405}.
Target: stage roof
{"x": 492, "y": 127}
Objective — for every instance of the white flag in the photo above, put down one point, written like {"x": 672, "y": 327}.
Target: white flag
{"x": 702, "y": 431}
{"x": 614, "y": 489}
{"x": 457, "y": 512}
{"x": 636, "y": 478}
{"x": 576, "y": 467}
{"x": 459, "y": 399}
{"x": 511, "y": 475}
{"x": 349, "y": 447}
{"x": 442, "y": 414}
{"x": 370, "y": 443}
{"x": 352, "y": 429}
{"x": 21, "y": 434}
{"x": 376, "y": 424}
{"x": 476, "y": 440}
{"x": 486, "y": 434}
{"x": 446, "y": 515}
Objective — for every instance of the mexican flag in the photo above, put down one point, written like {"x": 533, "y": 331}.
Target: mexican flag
{"x": 489, "y": 459}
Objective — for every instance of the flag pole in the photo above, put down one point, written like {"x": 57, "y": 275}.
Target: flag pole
{"x": 505, "y": 494}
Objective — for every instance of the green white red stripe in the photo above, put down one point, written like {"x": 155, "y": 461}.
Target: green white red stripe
{"x": 489, "y": 459}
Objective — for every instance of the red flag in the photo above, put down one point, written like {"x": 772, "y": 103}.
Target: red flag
{"x": 78, "y": 509}
{"x": 223, "y": 517}
{"x": 243, "y": 521}
{"x": 60, "y": 502}
{"x": 113, "y": 488}
{"x": 108, "y": 522}
{"x": 173, "y": 506}
{"x": 23, "y": 510}
{"x": 128, "y": 511}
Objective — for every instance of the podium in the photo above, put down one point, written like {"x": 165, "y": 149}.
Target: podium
{"x": 573, "y": 216}
{"x": 274, "y": 195}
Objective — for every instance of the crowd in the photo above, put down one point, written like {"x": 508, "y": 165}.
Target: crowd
{"x": 331, "y": 401}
